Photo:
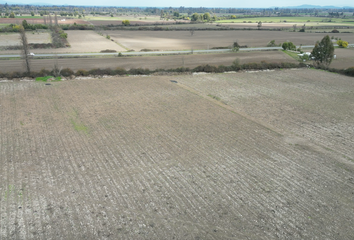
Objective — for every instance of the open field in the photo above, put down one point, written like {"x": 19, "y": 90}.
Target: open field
{"x": 292, "y": 20}
{"x": 345, "y": 58}
{"x": 151, "y": 62}
{"x": 179, "y": 40}
{"x": 145, "y": 158}
{"x": 80, "y": 42}
{"x": 90, "y": 41}
{"x": 13, "y": 39}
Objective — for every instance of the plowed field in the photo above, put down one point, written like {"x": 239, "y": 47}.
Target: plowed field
{"x": 146, "y": 158}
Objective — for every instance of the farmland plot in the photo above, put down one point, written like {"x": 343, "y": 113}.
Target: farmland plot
{"x": 177, "y": 40}
{"x": 311, "y": 104}
{"x": 143, "y": 158}
{"x": 13, "y": 39}
{"x": 151, "y": 62}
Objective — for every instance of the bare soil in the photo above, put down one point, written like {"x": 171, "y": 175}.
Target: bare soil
{"x": 145, "y": 158}
{"x": 344, "y": 59}
{"x": 151, "y": 62}
{"x": 177, "y": 40}
{"x": 13, "y": 39}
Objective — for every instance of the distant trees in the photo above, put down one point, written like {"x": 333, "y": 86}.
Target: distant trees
{"x": 12, "y": 15}
{"x": 323, "y": 52}
{"x": 288, "y": 46}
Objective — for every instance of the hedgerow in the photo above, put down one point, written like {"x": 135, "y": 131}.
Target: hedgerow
{"x": 67, "y": 72}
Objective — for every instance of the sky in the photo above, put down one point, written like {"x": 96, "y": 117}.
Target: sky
{"x": 189, "y": 3}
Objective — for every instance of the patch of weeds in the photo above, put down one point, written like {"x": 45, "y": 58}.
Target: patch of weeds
{"x": 80, "y": 127}
{"x": 214, "y": 97}
{"x": 46, "y": 78}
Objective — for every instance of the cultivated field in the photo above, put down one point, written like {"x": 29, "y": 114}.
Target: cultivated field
{"x": 177, "y": 40}
{"x": 344, "y": 59}
{"x": 151, "y": 62}
{"x": 145, "y": 158}
{"x": 39, "y": 20}
{"x": 90, "y": 41}
{"x": 13, "y": 39}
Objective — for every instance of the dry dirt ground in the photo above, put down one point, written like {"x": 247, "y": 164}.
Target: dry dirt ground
{"x": 345, "y": 58}
{"x": 177, "y": 40}
{"x": 12, "y": 39}
{"x": 151, "y": 62}
{"x": 80, "y": 41}
{"x": 146, "y": 158}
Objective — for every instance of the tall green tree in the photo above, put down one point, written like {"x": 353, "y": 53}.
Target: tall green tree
{"x": 323, "y": 52}
{"x": 195, "y": 17}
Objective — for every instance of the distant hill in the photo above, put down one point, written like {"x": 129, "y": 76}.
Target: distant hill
{"x": 317, "y": 6}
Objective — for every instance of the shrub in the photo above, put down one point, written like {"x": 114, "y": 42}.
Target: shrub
{"x": 98, "y": 71}
{"x": 343, "y": 44}
{"x": 120, "y": 71}
{"x": 81, "y": 72}
{"x": 66, "y": 72}
{"x": 44, "y": 72}
{"x": 139, "y": 71}
{"x": 126, "y": 22}
{"x": 335, "y": 31}
{"x": 349, "y": 71}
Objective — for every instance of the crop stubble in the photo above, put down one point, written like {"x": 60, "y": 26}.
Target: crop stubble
{"x": 156, "y": 161}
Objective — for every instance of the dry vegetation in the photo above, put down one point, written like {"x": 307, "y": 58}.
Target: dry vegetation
{"x": 145, "y": 158}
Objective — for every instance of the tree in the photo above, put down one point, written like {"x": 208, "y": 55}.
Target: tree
{"x": 259, "y": 25}
{"x": 12, "y": 15}
{"x": 206, "y": 17}
{"x": 288, "y": 46}
{"x": 323, "y": 52}
{"x": 25, "y": 49}
{"x": 32, "y": 14}
{"x": 25, "y": 24}
{"x": 195, "y": 17}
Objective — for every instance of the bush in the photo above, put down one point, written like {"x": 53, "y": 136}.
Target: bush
{"x": 120, "y": 71}
{"x": 108, "y": 51}
{"x": 44, "y": 72}
{"x": 81, "y": 72}
{"x": 126, "y": 22}
{"x": 349, "y": 71}
{"x": 335, "y": 31}
{"x": 98, "y": 71}
{"x": 343, "y": 44}
{"x": 66, "y": 72}
{"x": 139, "y": 71}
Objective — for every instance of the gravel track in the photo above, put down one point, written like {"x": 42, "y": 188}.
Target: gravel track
{"x": 144, "y": 158}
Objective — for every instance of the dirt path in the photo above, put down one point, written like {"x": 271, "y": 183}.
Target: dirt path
{"x": 143, "y": 158}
